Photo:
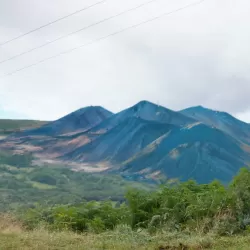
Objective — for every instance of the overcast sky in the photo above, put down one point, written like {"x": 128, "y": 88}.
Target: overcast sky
{"x": 198, "y": 56}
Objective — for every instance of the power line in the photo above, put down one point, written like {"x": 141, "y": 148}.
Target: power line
{"x": 105, "y": 37}
{"x": 52, "y": 22}
{"x": 77, "y": 31}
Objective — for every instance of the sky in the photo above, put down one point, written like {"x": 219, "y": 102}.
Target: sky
{"x": 197, "y": 56}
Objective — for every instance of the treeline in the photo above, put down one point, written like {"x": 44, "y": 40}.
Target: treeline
{"x": 189, "y": 207}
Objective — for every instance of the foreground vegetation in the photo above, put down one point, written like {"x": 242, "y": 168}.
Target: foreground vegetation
{"x": 175, "y": 216}
{"x": 56, "y": 208}
{"x": 179, "y": 207}
{"x": 13, "y": 235}
{"x": 117, "y": 240}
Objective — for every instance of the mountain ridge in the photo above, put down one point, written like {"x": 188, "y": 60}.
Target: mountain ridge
{"x": 147, "y": 111}
{"x": 221, "y": 120}
{"x": 146, "y": 140}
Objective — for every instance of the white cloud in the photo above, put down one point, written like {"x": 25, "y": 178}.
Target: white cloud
{"x": 197, "y": 56}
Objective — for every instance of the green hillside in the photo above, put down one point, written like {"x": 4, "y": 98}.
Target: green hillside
{"x": 23, "y": 184}
{"x": 8, "y": 126}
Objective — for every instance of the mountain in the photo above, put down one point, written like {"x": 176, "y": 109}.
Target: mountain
{"x": 109, "y": 139}
{"x": 121, "y": 142}
{"x": 80, "y": 120}
{"x": 196, "y": 151}
{"x": 58, "y": 137}
{"x": 143, "y": 121}
{"x": 221, "y": 120}
{"x": 146, "y": 111}
{"x": 145, "y": 140}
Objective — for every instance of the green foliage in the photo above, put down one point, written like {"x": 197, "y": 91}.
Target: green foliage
{"x": 183, "y": 207}
{"x": 240, "y": 187}
{"x": 88, "y": 216}
{"x": 16, "y": 160}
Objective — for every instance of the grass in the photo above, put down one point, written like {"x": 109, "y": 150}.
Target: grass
{"x": 14, "y": 236}
{"x": 42, "y": 239}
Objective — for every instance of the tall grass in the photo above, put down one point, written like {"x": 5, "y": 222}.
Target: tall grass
{"x": 9, "y": 224}
{"x": 13, "y": 235}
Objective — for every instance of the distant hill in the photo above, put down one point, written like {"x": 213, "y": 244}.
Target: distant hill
{"x": 221, "y": 120}
{"x": 80, "y": 120}
{"x": 8, "y": 126}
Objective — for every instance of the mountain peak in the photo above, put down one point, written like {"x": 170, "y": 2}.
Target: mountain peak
{"x": 199, "y": 108}
{"x": 152, "y": 112}
{"x": 145, "y": 103}
{"x": 221, "y": 120}
{"x": 77, "y": 121}
{"x": 88, "y": 109}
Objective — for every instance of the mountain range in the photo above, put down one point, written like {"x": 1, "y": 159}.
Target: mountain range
{"x": 145, "y": 140}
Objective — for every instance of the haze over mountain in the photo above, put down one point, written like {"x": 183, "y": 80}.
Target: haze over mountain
{"x": 144, "y": 140}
